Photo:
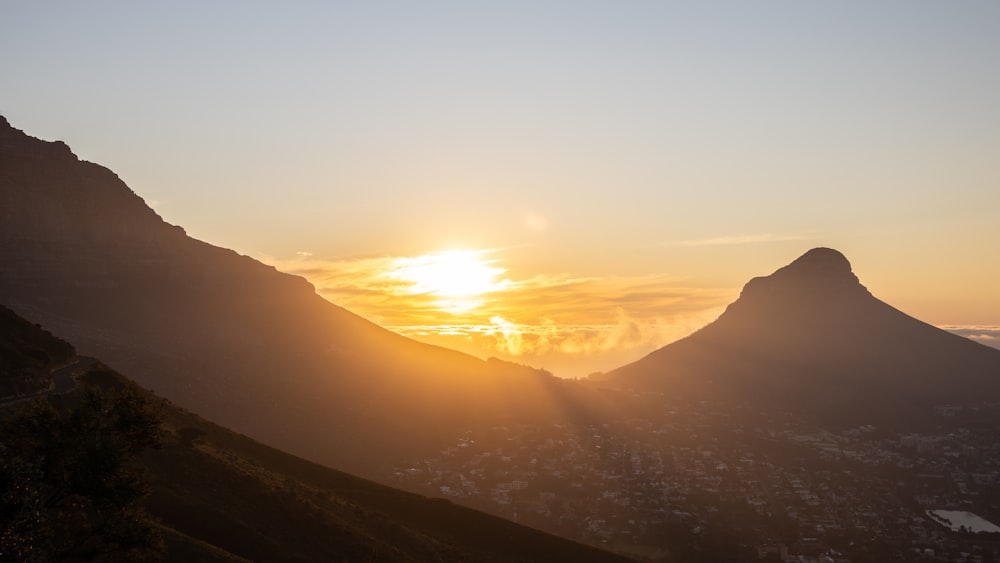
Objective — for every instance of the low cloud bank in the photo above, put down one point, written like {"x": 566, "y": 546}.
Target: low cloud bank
{"x": 983, "y": 334}
{"x": 568, "y": 324}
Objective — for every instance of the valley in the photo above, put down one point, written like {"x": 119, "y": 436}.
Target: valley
{"x": 741, "y": 481}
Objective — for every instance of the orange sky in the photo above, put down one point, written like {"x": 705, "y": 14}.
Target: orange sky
{"x": 571, "y": 325}
{"x": 625, "y": 166}
{"x": 468, "y": 300}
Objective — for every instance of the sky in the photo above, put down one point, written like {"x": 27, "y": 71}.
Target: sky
{"x": 566, "y": 184}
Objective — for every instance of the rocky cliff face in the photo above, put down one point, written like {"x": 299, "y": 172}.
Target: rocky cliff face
{"x": 44, "y": 179}
{"x": 78, "y": 219}
{"x": 86, "y": 256}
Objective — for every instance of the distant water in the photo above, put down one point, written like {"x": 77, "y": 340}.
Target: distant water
{"x": 955, "y": 519}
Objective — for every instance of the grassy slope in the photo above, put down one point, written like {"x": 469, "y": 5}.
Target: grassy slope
{"x": 181, "y": 547}
{"x": 255, "y": 502}
{"x": 220, "y": 496}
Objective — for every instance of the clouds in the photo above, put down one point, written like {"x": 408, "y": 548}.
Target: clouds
{"x": 579, "y": 324}
{"x": 983, "y": 334}
{"x": 568, "y": 350}
{"x": 738, "y": 239}
{"x": 571, "y": 325}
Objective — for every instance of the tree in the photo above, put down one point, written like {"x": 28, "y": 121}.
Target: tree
{"x": 70, "y": 485}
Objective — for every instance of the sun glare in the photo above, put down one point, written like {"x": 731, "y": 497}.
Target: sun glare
{"x": 457, "y": 277}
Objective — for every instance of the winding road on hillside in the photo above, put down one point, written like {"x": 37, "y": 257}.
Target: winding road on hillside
{"x": 63, "y": 380}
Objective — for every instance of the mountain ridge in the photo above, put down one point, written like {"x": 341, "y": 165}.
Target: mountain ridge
{"x": 225, "y": 335}
{"x": 810, "y": 334}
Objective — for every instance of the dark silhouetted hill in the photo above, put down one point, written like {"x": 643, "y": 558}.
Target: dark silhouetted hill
{"x": 231, "y": 338}
{"x": 220, "y": 496}
{"x": 27, "y": 354}
{"x": 810, "y": 338}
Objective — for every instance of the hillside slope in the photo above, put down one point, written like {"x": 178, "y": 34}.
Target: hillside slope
{"x": 220, "y": 496}
{"x": 231, "y": 338}
{"x": 811, "y": 338}
{"x": 27, "y": 354}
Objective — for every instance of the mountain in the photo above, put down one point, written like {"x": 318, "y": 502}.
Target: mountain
{"x": 810, "y": 338}
{"x": 216, "y": 495}
{"x": 231, "y": 338}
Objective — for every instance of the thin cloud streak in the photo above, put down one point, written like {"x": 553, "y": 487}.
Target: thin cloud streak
{"x": 737, "y": 240}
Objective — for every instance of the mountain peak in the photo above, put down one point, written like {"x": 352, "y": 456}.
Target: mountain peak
{"x": 820, "y": 265}
{"x": 821, "y": 261}
{"x": 819, "y": 268}
{"x": 810, "y": 336}
{"x": 16, "y": 145}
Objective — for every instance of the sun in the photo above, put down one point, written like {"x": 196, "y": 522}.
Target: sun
{"x": 457, "y": 277}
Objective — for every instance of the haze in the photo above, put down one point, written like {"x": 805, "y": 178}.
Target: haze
{"x": 617, "y": 170}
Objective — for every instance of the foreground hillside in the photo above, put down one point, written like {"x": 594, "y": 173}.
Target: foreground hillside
{"x": 262, "y": 504}
{"x": 26, "y": 354}
{"x": 219, "y": 496}
{"x": 233, "y": 339}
